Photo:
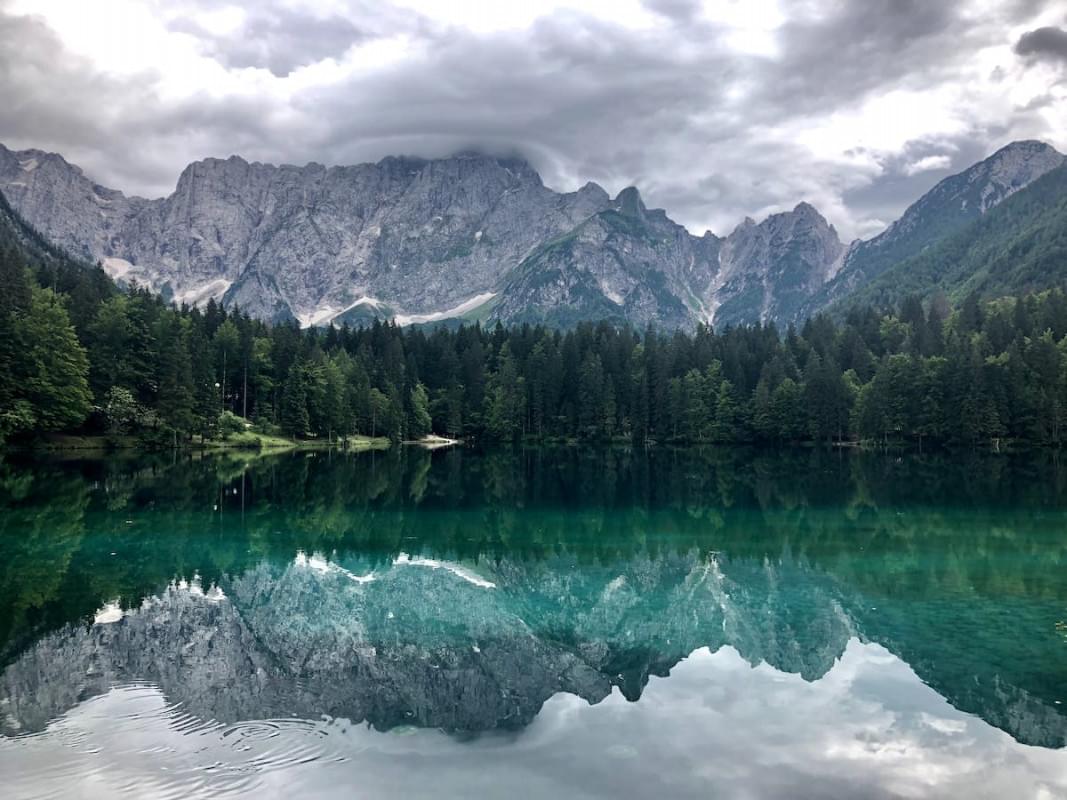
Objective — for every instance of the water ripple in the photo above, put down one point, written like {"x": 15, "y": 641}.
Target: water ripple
{"x": 131, "y": 742}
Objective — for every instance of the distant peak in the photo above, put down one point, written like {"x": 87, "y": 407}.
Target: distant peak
{"x": 214, "y": 161}
{"x": 1023, "y": 152}
{"x": 1026, "y": 146}
{"x": 595, "y": 191}
{"x": 629, "y": 202}
{"x": 508, "y": 159}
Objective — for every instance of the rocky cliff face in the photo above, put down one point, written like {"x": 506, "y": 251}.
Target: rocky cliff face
{"x": 623, "y": 263}
{"x": 306, "y": 242}
{"x": 768, "y": 270}
{"x": 471, "y": 236}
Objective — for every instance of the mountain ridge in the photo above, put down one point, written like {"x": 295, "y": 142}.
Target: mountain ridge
{"x": 474, "y": 236}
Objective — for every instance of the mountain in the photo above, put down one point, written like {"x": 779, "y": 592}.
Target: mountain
{"x": 1017, "y": 247}
{"x": 32, "y": 248}
{"x": 768, "y": 270}
{"x": 414, "y": 238}
{"x": 22, "y": 247}
{"x": 948, "y": 208}
{"x": 622, "y": 263}
{"x": 474, "y": 237}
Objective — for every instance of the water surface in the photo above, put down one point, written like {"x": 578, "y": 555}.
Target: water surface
{"x": 535, "y": 623}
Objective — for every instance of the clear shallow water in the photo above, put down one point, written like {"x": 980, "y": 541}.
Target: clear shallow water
{"x": 538, "y": 623}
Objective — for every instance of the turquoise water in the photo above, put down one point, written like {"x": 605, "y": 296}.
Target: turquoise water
{"x": 535, "y": 623}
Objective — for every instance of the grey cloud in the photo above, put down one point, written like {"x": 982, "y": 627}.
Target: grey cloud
{"x": 678, "y": 10}
{"x": 118, "y": 130}
{"x": 693, "y": 124}
{"x": 280, "y": 40}
{"x": 895, "y": 189}
{"x": 861, "y": 48}
{"x": 1047, "y": 43}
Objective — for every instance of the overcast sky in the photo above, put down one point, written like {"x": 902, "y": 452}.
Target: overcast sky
{"x": 715, "y": 109}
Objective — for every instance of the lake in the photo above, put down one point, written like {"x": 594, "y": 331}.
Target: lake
{"x": 528, "y": 623}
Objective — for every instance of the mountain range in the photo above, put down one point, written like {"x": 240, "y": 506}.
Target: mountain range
{"x": 477, "y": 237}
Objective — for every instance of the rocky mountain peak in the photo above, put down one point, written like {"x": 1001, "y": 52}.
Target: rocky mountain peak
{"x": 594, "y": 192}
{"x": 1013, "y": 167}
{"x": 807, "y": 210}
{"x": 766, "y": 269}
{"x": 628, "y": 202}
{"x": 803, "y": 221}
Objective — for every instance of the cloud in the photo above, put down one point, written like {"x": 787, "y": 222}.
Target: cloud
{"x": 280, "y": 40}
{"x": 928, "y": 163}
{"x": 1043, "y": 43}
{"x": 715, "y": 110}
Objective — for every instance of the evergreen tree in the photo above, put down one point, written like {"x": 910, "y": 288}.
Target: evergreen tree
{"x": 420, "y": 424}
{"x": 51, "y": 368}
{"x": 176, "y": 398}
{"x": 294, "y": 418}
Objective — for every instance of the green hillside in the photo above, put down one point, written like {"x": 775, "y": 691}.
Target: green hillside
{"x": 1018, "y": 247}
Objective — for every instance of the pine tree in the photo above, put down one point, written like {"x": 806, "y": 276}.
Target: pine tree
{"x": 420, "y": 424}
{"x": 176, "y": 399}
{"x": 51, "y": 366}
{"x": 294, "y": 409}
{"x": 727, "y": 426}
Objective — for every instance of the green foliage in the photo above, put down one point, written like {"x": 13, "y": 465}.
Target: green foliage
{"x": 51, "y": 366}
{"x": 295, "y": 420}
{"x": 230, "y": 424}
{"x": 1019, "y": 246}
{"x": 123, "y": 413}
{"x": 505, "y": 399}
{"x": 421, "y": 422}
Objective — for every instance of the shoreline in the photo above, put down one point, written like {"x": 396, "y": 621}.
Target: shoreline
{"x": 241, "y": 443}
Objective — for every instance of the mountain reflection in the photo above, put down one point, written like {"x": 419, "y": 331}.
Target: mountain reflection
{"x": 462, "y": 590}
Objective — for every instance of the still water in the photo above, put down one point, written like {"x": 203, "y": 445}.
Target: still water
{"x": 535, "y": 623}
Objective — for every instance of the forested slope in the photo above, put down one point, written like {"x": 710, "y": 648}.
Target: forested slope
{"x": 1017, "y": 247}
{"x": 78, "y": 355}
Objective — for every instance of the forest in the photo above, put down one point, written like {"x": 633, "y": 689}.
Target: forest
{"x": 79, "y": 355}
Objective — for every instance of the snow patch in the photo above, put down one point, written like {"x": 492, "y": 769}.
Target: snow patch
{"x": 318, "y": 563}
{"x": 117, "y": 268}
{"x": 325, "y": 314}
{"x": 835, "y": 266}
{"x": 111, "y": 612}
{"x": 612, "y": 294}
{"x": 456, "y": 569}
{"x": 717, "y": 284}
{"x": 456, "y": 311}
{"x": 29, "y": 165}
{"x": 200, "y": 295}
{"x": 477, "y": 236}
{"x": 317, "y": 316}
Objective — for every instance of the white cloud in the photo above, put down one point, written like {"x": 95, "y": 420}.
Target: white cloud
{"x": 928, "y": 163}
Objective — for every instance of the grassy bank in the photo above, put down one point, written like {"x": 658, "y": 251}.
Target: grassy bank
{"x": 244, "y": 440}
{"x": 253, "y": 440}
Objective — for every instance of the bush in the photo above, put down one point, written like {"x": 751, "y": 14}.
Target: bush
{"x": 230, "y": 423}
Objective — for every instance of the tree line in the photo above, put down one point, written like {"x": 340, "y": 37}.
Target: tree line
{"x": 77, "y": 354}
